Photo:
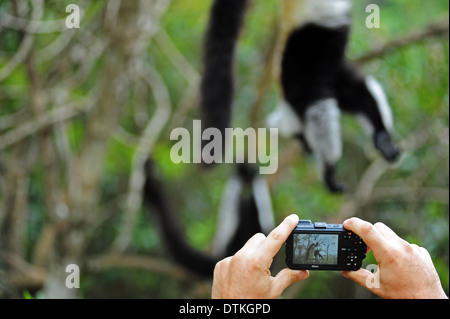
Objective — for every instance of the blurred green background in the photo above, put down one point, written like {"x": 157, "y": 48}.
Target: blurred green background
{"x": 411, "y": 198}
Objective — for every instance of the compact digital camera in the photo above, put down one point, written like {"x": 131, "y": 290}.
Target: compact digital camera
{"x": 322, "y": 246}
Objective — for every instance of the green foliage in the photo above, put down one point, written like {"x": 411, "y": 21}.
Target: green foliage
{"x": 416, "y": 79}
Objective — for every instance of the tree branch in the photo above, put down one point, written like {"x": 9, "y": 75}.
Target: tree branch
{"x": 410, "y": 194}
{"x": 139, "y": 262}
{"x": 27, "y": 42}
{"x": 190, "y": 74}
{"x": 23, "y": 275}
{"x": 35, "y": 125}
{"x": 145, "y": 146}
{"x": 433, "y": 30}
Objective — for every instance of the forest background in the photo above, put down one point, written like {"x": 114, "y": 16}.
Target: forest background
{"x": 81, "y": 109}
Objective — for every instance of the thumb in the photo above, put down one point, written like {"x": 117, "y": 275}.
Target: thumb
{"x": 285, "y": 278}
{"x": 360, "y": 276}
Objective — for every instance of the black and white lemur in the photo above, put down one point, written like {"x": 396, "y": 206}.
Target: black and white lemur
{"x": 316, "y": 79}
{"x": 317, "y": 83}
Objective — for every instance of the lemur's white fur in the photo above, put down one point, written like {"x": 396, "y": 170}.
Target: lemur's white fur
{"x": 323, "y": 130}
{"x": 264, "y": 204}
{"x": 285, "y": 119}
{"x": 229, "y": 211}
{"x": 378, "y": 94}
{"x": 326, "y": 13}
{"x": 228, "y": 215}
{"x": 385, "y": 110}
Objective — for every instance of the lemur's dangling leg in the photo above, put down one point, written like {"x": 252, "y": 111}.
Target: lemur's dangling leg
{"x": 322, "y": 131}
{"x": 364, "y": 97}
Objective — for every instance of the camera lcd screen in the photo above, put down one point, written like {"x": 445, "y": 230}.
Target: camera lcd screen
{"x": 315, "y": 249}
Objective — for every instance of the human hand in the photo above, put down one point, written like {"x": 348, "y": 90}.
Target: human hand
{"x": 406, "y": 270}
{"x": 246, "y": 275}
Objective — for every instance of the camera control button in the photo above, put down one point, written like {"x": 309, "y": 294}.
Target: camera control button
{"x": 320, "y": 225}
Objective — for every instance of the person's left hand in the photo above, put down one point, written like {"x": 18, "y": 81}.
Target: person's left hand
{"x": 246, "y": 275}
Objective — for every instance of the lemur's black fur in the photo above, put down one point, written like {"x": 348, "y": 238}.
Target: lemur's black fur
{"x": 317, "y": 83}
{"x": 354, "y": 97}
{"x": 311, "y": 62}
{"x": 217, "y": 85}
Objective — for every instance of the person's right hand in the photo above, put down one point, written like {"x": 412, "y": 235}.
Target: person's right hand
{"x": 405, "y": 270}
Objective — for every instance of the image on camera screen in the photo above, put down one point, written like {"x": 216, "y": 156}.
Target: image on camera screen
{"x": 314, "y": 249}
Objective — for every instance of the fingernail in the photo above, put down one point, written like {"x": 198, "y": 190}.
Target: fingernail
{"x": 293, "y": 218}
{"x": 303, "y": 275}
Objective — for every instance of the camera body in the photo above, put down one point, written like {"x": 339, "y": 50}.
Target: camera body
{"x": 322, "y": 246}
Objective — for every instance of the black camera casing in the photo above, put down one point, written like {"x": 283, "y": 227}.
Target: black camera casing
{"x": 322, "y": 246}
